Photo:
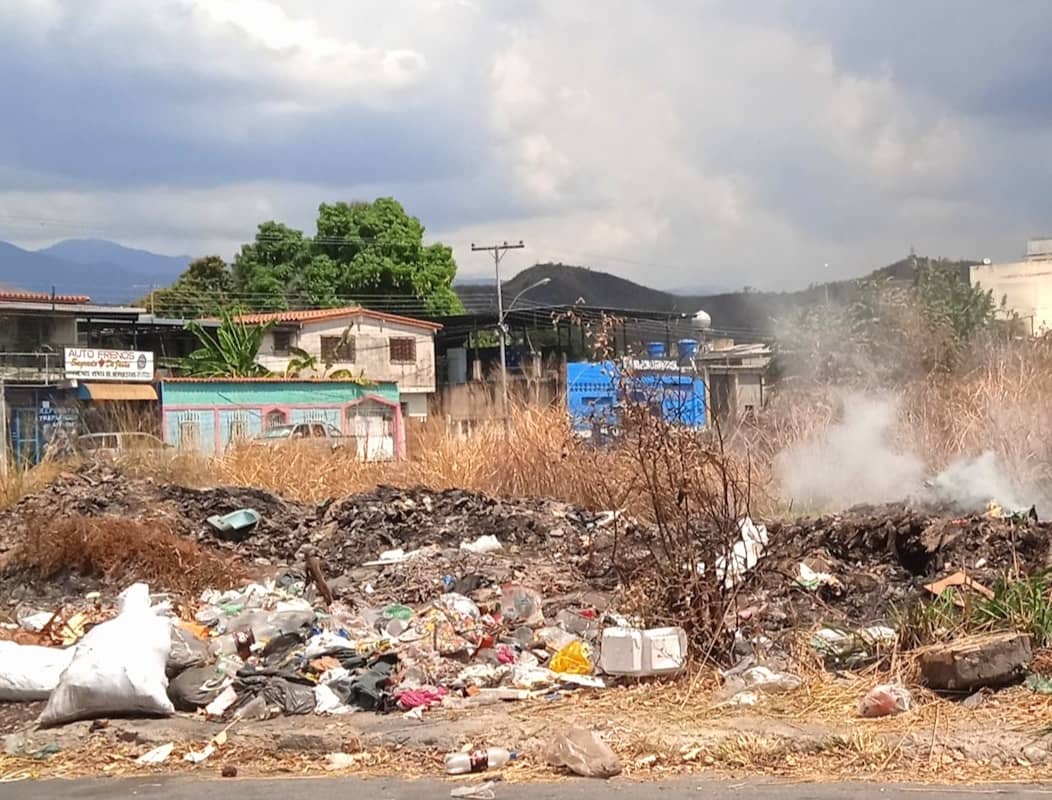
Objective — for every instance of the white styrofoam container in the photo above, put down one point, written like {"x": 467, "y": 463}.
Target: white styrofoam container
{"x": 632, "y": 651}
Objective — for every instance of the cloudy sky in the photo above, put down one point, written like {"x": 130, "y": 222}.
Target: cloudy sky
{"x": 681, "y": 143}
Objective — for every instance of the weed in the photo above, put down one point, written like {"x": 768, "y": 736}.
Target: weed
{"x": 120, "y": 550}
{"x": 927, "y": 621}
{"x": 1021, "y": 604}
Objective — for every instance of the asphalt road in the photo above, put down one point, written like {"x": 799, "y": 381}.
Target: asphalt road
{"x": 352, "y": 789}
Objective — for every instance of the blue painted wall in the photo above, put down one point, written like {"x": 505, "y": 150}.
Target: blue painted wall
{"x": 594, "y": 391}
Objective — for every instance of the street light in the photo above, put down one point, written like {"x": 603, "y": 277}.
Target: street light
{"x": 502, "y": 329}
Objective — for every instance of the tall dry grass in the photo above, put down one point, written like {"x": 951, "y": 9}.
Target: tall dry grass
{"x": 997, "y": 399}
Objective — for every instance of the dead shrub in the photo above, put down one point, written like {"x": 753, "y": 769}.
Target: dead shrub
{"x": 120, "y": 551}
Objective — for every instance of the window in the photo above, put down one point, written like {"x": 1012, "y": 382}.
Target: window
{"x": 282, "y": 342}
{"x": 403, "y": 350}
{"x": 337, "y": 349}
{"x": 274, "y": 418}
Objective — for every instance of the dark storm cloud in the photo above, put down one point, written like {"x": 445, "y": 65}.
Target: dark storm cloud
{"x": 981, "y": 58}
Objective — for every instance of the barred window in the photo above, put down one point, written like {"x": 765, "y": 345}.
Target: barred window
{"x": 403, "y": 350}
{"x": 337, "y": 349}
{"x": 282, "y": 342}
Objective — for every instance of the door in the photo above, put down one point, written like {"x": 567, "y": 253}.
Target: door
{"x": 25, "y": 436}
{"x": 372, "y": 425}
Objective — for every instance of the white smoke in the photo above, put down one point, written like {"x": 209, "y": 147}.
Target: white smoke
{"x": 972, "y": 483}
{"x": 852, "y": 461}
{"x": 855, "y": 461}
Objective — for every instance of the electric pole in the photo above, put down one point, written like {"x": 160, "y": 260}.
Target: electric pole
{"x": 499, "y": 250}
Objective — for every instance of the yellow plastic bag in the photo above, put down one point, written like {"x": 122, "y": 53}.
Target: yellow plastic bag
{"x": 572, "y": 659}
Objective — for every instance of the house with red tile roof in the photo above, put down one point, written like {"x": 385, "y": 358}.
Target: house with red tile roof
{"x": 379, "y": 346}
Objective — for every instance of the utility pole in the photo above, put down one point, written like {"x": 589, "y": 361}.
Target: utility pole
{"x": 499, "y": 250}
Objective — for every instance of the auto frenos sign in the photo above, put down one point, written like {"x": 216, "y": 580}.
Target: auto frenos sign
{"x": 97, "y": 364}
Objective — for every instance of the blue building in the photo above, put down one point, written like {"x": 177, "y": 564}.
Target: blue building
{"x": 670, "y": 387}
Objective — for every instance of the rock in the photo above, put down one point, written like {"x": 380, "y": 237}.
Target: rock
{"x": 1035, "y": 755}
{"x": 15, "y": 744}
{"x": 229, "y": 771}
{"x": 974, "y": 662}
{"x": 308, "y": 742}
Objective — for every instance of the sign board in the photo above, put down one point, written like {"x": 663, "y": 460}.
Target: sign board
{"x": 98, "y": 364}
{"x": 656, "y": 365}
{"x": 49, "y": 414}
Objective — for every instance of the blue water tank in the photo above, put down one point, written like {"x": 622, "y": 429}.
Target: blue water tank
{"x": 687, "y": 348}
{"x": 655, "y": 349}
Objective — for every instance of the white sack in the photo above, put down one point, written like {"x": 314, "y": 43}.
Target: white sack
{"x": 118, "y": 668}
{"x": 28, "y": 672}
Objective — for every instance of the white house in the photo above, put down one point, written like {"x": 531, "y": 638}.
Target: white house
{"x": 378, "y": 346}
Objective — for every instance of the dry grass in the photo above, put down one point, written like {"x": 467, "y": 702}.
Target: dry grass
{"x": 120, "y": 550}
{"x": 996, "y": 400}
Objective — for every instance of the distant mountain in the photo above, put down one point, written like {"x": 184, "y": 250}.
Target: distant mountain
{"x": 106, "y": 271}
{"x": 566, "y": 285}
{"x": 101, "y": 251}
{"x": 474, "y": 281}
{"x": 742, "y": 314}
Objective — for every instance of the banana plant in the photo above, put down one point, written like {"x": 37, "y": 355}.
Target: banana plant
{"x": 300, "y": 361}
{"x": 229, "y": 351}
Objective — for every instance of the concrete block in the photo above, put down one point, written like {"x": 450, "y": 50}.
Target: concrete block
{"x": 973, "y": 662}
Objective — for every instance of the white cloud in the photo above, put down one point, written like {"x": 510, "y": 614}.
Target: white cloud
{"x": 674, "y": 143}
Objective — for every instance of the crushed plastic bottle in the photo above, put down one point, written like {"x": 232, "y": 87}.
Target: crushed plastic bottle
{"x": 478, "y": 760}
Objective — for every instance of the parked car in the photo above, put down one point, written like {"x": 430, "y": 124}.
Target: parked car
{"x": 117, "y": 443}
{"x": 317, "y": 434}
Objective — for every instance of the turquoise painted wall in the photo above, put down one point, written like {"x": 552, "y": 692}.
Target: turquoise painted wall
{"x": 204, "y": 416}
{"x": 221, "y": 393}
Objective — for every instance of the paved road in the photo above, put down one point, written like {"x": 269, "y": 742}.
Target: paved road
{"x": 352, "y": 789}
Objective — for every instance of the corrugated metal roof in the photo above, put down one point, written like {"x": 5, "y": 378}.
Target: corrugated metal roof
{"x": 321, "y": 314}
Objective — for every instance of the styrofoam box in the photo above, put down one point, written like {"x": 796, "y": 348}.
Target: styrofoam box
{"x": 632, "y": 651}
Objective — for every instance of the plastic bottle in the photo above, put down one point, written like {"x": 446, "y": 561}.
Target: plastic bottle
{"x": 478, "y": 760}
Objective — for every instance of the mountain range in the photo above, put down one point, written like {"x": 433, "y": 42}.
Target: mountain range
{"x": 106, "y": 271}
{"x": 112, "y": 273}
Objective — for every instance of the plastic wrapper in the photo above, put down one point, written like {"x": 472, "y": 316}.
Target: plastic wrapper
{"x": 581, "y": 751}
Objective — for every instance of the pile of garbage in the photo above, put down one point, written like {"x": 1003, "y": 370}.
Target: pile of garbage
{"x": 287, "y": 647}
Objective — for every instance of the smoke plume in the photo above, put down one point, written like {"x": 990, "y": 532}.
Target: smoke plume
{"x": 852, "y": 461}
{"x": 855, "y": 461}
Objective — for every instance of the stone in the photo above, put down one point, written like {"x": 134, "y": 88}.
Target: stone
{"x": 308, "y": 742}
{"x": 973, "y": 662}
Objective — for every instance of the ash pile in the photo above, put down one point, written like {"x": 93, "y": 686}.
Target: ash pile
{"x": 872, "y": 560}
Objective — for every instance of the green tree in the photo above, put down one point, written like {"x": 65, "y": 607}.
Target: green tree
{"x": 950, "y": 301}
{"x": 370, "y": 253}
{"x": 203, "y": 289}
{"x": 230, "y": 351}
{"x": 269, "y": 271}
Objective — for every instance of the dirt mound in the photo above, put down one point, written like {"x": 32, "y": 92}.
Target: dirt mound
{"x": 540, "y": 537}
{"x": 361, "y": 526}
{"x": 96, "y": 490}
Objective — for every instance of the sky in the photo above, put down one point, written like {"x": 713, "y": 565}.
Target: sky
{"x": 680, "y": 143}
